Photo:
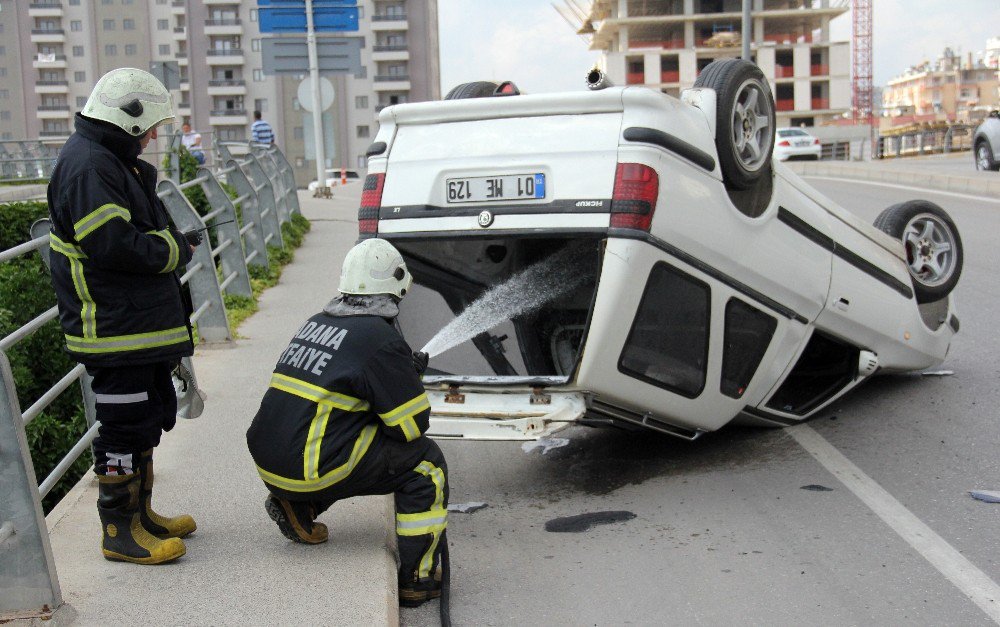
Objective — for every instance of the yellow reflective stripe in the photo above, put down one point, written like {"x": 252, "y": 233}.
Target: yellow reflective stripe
{"x": 174, "y": 255}
{"x": 436, "y": 475}
{"x": 403, "y": 415}
{"x": 68, "y": 250}
{"x": 123, "y": 343}
{"x": 316, "y": 394}
{"x": 338, "y": 474}
{"x": 314, "y": 441}
{"x": 90, "y": 222}
{"x": 419, "y": 524}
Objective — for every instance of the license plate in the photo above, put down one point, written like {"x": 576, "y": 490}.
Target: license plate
{"x": 495, "y": 188}
{"x": 802, "y": 142}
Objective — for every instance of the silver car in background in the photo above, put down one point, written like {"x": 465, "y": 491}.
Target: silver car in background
{"x": 986, "y": 143}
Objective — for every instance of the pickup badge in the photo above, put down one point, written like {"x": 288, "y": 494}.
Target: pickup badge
{"x": 485, "y": 219}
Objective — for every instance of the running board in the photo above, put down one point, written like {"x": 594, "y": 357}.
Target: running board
{"x": 647, "y": 420}
{"x": 482, "y": 414}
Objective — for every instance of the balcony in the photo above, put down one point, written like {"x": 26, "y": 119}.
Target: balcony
{"x": 820, "y": 104}
{"x": 635, "y": 78}
{"x": 785, "y": 104}
{"x": 392, "y": 22}
{"x": 48, "y": 35}
{"x": 178, "y": 7}
{"x": 392, "y": 82}
{"x": 231, "y": 26}
{"x": 54, "y": 133}
{"x": 225, "y": 56}
{"x": 181, "y": 55}
{"x": 49, "y": 86}
{"x": 58, "y": 62}
{"x": 228, "y": 117}
{"x": 227, "y": 87}
{"x": 45, "y": 9}
{"x": 390, "y": 53}
{"x": 784, "y": 71}
{"x": 53, "y": 112}
{"x": 819, "y": 70}
{"x": 670, "y": 76}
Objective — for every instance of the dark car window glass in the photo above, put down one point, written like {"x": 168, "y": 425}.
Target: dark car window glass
{"x": 668, "y": 343}
{"x": 824, "y": 368}
{"x": 747, "y": 336}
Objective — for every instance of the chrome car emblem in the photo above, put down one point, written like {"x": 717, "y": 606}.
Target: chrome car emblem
{"x": 485, "y": 219}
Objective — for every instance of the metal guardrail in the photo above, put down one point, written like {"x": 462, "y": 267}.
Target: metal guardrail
{"x": 266, "y": 196}
{"x": 917, "y": 141}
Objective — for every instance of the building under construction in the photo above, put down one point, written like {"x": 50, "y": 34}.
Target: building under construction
{"x": 664, "y": 44}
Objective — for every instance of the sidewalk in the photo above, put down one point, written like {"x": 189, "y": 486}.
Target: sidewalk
{"x": 239, "y": 570}
{"x": 917, "y": 172}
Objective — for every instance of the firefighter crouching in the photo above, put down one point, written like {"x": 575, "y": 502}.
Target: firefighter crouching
{"x": 121, "y": 306}
{"x": 345, "y": 415}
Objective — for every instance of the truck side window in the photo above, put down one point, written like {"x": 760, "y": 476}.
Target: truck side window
{"x": 668, "y": 343}
{"x": 747, "y": 336}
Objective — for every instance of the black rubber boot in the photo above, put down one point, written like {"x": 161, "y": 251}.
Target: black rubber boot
{"x": 125, "y": 539}
{"x": 161, "y": 526}
{"x": 295, "y": 519}
{"x": 415, "y": 591}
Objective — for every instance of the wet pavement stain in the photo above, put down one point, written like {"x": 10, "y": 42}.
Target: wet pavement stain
{"x": 583, "y": 522}
{"x": 815, "y": 487}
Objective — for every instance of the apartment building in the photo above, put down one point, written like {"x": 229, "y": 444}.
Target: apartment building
{"x": 665, "y": 44}
{"x": 53, "y": 51}
{"x": 949, "y": 88}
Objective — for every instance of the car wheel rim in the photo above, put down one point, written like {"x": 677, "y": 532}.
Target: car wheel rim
{"x": 983, "y": 160}
{"x": 752, "y": 132}
{"x": 930, "y": 249}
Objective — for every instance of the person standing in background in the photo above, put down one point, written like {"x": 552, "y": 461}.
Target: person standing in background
{"x": 260, "y": 131}
{"x": 192, "y": 141}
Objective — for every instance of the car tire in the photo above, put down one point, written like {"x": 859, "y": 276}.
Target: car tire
{"x": 934, "y": 254}
{"x": 984, "y": 157}
{"x": 744, "y": 135}
{"x": 476, "y": 89}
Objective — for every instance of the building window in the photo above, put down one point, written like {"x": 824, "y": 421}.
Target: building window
{"x": 3, "y": 71}
{"x": 6, "y": 135}
{"x": 76, "y": 26}
{"x": 110, "y": 50}
{"x": 109, "y": 24}
{"x": 81, "y": 102}
{"x": 128, "y": 24}
{"x": 77, "y": 51}
{"x": 255, "y": 45}
{"x": 106, "y": 1}
{"x": 130, "y": 50}
{"x": 253, "y": 15}
{"x": 4, "y": 115}
{"x": 3, "y": 50}
{"x": 164, "y": 50}
{"x": 363, "y": 132}
{"x": 4, "y": 94}
{"x": 361, "y": 102}
{"x": 260, "y": 104}
{"x": 80, "y": 77}
{"x": 258, "y": 75}
{"x": 74, "y": 3}
{"x": 298, "y": 132}
{"x": 162, "y": 24}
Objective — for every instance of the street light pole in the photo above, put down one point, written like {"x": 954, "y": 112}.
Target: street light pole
{"x": 317, "y": 112}
{"x": 746, "y": 35}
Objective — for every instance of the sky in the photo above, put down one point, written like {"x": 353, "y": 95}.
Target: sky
{"x": 526, "y": 41}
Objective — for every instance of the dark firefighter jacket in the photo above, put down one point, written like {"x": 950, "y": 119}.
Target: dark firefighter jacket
{"x": 342, "y": 384}
{"x": 114, "y": 253}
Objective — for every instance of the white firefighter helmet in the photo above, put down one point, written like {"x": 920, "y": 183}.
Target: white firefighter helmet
{"x": 131, "y": 99}
{"x": 374, "y": 266}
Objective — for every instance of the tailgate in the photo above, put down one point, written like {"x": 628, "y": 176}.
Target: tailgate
{"x": 572, "y": 154}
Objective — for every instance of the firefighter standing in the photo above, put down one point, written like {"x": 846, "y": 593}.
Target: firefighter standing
{"x": 120, "y": 302}
{"x": 345, "y": 415}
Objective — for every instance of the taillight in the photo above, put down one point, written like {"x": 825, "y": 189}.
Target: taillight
{"x": 634, "y": 198}
{"x": 816, "y": 142}
{"x": 371, "y": 202}
{"x": 784, "y": 143}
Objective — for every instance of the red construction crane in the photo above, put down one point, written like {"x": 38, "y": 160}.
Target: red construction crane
{"x": 863, "y": 88}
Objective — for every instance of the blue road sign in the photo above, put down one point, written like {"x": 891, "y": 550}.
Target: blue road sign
{"x": 289, "y": 16}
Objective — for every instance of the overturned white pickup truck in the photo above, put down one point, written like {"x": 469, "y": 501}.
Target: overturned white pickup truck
{"x": 691, "y": 280}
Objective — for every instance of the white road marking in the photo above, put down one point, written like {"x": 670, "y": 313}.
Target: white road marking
{"x": 973, "y": 582}
{"x": 926, "y": 190}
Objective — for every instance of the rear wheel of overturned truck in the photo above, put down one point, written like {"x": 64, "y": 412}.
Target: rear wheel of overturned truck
{"x": 744, "y": 136}
{"x": 934, "y": 254}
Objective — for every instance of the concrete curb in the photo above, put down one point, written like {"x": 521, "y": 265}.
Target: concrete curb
{"x": 19, "y": 193}
{"x": 979, "y": 186}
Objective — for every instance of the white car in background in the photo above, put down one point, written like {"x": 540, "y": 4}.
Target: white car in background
{"x": 680, "y": 277}
{"x": 794, "y": 143}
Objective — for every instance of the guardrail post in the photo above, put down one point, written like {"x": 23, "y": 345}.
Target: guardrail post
{"x": 252, "y": 229}
{"x": 235, "y": 278}
{"x": 27, "y": 571}
{"x": 224, "y": 155}
{"x": 289, "y": 177}
{"x": 270, "y": 168}
{"x": 209, "y": 309}
{"x": 265, "y": 195}
{"x": 175, "y": 158}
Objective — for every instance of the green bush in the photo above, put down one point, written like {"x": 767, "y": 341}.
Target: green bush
{"x": 38, "y": 361}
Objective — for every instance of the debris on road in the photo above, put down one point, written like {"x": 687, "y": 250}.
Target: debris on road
{"x": 583, "y": 522}
{"x": 467, "y": 508}
{"x": 987, "y": 496}
{"x": 546, "y": 444}
{"x": 815, "y": 487}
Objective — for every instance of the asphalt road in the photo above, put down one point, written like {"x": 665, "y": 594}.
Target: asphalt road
{"x": 724, "y": 532}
